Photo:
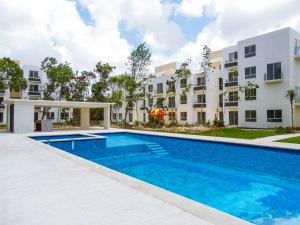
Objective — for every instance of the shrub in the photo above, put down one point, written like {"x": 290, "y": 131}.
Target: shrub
{"x": 2, "y": 126}
{"x": 207, "y": 123}
{"x": 284, "y": 130}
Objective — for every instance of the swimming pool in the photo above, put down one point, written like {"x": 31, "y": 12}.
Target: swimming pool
{"x": 257, "y": 184}
{"x": 56, "y": 137}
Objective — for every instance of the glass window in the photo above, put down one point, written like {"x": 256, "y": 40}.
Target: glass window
{"x": 250, "y": 115}
{"x": 183, "y": 116}
{"x": 183, "y": 83}
{"x": 233, "y": 76}
{"x": 233, "y": 96}
{"x": 33, "y": 88}
{"x": 220, "y": 83}
{"x": 250, "y": 94}
{"x": 1, "y": 117}
{"x": 250, "y": 51}
{"x": 274, "y": 115}
{"x": 171, "y": 102}
{"x": 160, "y": 88}
{"x": 201, "y": 98}
{"x": 200, "y": 81}
{"x": 183, "y": 99}
{"x": 150, "y": 88}
{"x": 171, "y": 86}
{"x": 159, "y": 102}
{"x": 250, "y": 72}
{"x": 233, "y": 56}
{"x": 274, "y": 71}
{"x": 33, "y": 74}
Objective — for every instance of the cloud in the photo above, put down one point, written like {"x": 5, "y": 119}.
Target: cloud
{"x": 34, "y": 29}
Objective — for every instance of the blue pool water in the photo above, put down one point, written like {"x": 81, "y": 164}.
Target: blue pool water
{"x": 260, "y": 185}
{"x": 54, "y": 137}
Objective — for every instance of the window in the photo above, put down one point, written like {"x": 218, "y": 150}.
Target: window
{"x": 250, "y": 115}
{"x": 144, "y": 117}
{"x": 221, "y": 116}
{"x": 1, "y": 100}
{"x": 150, "y": 101}
{"x": 250, "y": 72}
{"x": 201, "y": 98}
{"x": 183, "y": 83}
{"x": 233, "y": 96}
{"x": 130, "y": 115}
{"x": 33, "y": 74}
{"x": 220, "y": 83}
{"x": 1, "y": 117}
{"x": 159, "y": 102}
{"x": 171, "y": 102}
{"x": 274, "y": 115}
{"x": 201, "y": 117}
{"x": 201, "y": 81}
{"x": 144, "y": 103}
{"x": 297, "y": 47}
{"x": 150, "y": 88}
{"x": 250, "y": 51}
{"x": 233, "y": 56}
{"x": 183, "y": 116}
{"x": 183, "y": 99}
{"x": 160, "y": 87}
{"x": 274, "y": 71}
{"x": 120, "y": 116}
{"x": 233, "y": 76}
{"x": 50, "y": 115}
{"x": 220, "y": 100}
{"x": 64, "y": 115}
{"x": 114, "y": 116}
{"x": 233, "y": 117}
{"x": 250, "y": 94}
{"x": 172, "y": 116}
{"x": 33, "y": 88}
{"x": 171, "y": 86}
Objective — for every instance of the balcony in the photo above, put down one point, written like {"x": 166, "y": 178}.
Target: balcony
{"x": 231, "y": 103}
{"x": 170, "y": 90}
{"x": 231, "y": 84}
{"x": 158, "y": 92}
{"x": 34, "y": 79}
{"x": 34, "y": 93}
{"x": 15, "y": 94}
{"x": 230, "y": 64}
{"x": 273, "y": 78}
{"x": 199, "y": 87}
{"x": 199, "y": 105}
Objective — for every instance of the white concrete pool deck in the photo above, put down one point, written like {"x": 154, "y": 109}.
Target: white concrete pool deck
{"x": 43, "y": 185}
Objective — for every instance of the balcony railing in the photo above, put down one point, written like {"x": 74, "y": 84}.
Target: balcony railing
{"x": 170, "y": 90}
{"x": 199, "y": 105}
{"x": 34, "y": 93}
{"x": 276, "y": 77}
{"x": 230, "y": 63}
{"x": 199, "y": 87}
{"x": 231, "y": 84}
{"x": 231, "y": 103}
{"x": 37, "y": 79}
{"x": 297, "y": 52}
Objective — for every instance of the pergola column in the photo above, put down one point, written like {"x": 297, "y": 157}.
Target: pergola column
{"x": 85, "y": 118}
{"x": 106, "y": 122}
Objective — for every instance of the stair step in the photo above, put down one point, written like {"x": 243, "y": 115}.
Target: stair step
{"x": 162, "y": 153}
{"x": 159, "y": 150}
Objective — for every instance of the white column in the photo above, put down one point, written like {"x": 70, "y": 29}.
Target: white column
{"x": 106, "y": 122}
{"x": 85, "y": 118}
{"x": 23, "y": 118}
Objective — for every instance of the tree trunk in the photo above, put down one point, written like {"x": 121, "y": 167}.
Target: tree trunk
{"x": 292, "y": 112}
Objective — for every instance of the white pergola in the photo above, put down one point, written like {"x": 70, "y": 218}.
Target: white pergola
{"x": 20, "y": 112}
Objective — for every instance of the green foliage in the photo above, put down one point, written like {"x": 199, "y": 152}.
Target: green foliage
{"x": 101, "y": 87}
{"x": 284, "y": 130}
{"x": 11, "y": 75}
{"x": 138, "y": 62}
{"x": 218, "y": 123}
{"x": 79, "y": 86}
{"x": 59, "y": 77}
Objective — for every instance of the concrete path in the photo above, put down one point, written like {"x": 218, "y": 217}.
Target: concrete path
{"x": 278, "y": 137}
{"x": 40, "y": 187}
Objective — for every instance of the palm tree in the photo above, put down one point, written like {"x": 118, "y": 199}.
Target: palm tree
{"x": 291, "y": 94}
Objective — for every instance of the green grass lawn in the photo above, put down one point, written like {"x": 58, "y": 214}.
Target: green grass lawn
{"x": 293, "y": 140}
{"x": 226, "y": 132}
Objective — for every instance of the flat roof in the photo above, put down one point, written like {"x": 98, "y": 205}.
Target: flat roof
{"x": 59, "y": 104}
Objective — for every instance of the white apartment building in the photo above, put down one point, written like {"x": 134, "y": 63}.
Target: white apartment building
{"x": 36, "y": 78}
{"x": 271, "y": 61}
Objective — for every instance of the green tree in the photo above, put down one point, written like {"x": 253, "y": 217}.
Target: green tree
{"x": 291, "y": 95}
{"x": 80, "y": 86}
{"x": 101, "y": 87}
{"x": 116, "y": 98}
{"x": 11, "y": 75}
{"x": 138, "y": 65}
{"x": 59, "y": 76}
{"x": 183, "y": 72}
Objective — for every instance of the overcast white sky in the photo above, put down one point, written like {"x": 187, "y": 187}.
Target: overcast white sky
{"x": 86, "y": 31}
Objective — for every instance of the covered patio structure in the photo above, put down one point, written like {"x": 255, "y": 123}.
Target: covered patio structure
{"x": 20, "y": 113}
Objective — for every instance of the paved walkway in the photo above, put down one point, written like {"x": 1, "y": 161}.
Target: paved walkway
{"x": 278, "y": 137}
{"x": 40, "y": 187}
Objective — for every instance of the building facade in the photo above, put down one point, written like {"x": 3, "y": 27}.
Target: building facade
{"x": 246, "y": 86}
{"x": 36, "y": 79}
